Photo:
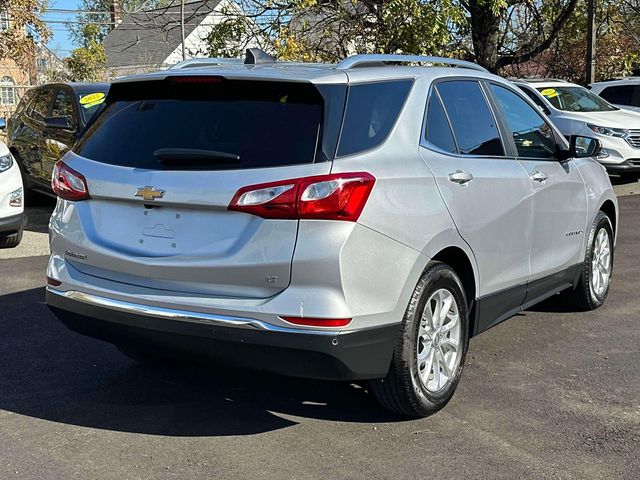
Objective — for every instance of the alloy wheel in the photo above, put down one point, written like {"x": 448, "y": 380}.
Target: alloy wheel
{"x": 438, "y": 345}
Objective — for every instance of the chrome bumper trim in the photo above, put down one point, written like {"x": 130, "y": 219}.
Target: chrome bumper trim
{"x": 181, "y": 315}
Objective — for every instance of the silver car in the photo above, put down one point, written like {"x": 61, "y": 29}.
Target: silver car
{"x": 358, "y": 221}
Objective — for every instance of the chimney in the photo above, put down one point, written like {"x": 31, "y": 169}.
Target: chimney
{"x": 115, "y": 11}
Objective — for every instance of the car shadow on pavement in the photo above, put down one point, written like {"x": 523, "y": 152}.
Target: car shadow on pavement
{"x": 38, "y": 210}
{"x": 52, "y": 373}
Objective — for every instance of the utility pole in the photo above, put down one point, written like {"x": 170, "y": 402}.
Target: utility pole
{"x": 184, "y": 51}
{"x": 591, "y": 42}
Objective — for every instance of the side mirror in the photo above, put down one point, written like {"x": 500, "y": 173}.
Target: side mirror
{"x": 579, "y": 147}
{"x": 60, "y": 123}
{"x": 3, "y": 124}
{"x": 582, "y": 147}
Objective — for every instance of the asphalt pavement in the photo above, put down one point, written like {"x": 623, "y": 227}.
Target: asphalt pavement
{"x": 548, "y": 394}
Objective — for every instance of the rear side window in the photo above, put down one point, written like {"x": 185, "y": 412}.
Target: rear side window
{"x": 213, "y": 124}
{"x": 532, "y": 135}
{"x": 437, "y": 132}
{"x": 473, "y": 123}
{"x": 620, "y": 94}
{"x": 40, "y": 107}
{"x": 372, "y": 110}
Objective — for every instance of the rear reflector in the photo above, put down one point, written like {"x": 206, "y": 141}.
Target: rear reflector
{"x": 68, "y": 184}
{"x": 53, "y": 282}
{"x": 340, "y": 196}
{"x": 318, "y": 322}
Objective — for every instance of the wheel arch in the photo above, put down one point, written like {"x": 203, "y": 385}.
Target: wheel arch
{"x": 460, "y": 262}
{"x": 609, "y": 209}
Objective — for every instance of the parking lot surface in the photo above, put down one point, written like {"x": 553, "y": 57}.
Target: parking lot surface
{"x": 547, "y": 394}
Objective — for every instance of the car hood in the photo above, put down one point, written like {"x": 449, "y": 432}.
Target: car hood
{"x": 3, "y": 149}
{"x": 615, "y": 119}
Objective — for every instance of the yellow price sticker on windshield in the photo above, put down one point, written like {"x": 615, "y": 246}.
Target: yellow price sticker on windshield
{"x": 92, "y": 99}
{"x": 549, "y": 92}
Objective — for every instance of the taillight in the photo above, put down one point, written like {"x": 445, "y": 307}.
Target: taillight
{"x": 339, "y": 196}
{"x": 67, "y": 183}
{"x": 318, "y": 322}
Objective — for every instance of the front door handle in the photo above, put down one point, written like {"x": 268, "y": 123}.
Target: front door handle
{"x": 538, "y": 176}
{"x": 461, "y": 177}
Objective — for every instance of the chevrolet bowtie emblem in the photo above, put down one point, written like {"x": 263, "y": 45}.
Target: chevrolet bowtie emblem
{"x": 149, "y": 193}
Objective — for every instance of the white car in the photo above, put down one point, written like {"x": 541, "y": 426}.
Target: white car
{"x": 11, "y": 198}
{"x": 621, "y": 92}
{"x": 576, "y": 110}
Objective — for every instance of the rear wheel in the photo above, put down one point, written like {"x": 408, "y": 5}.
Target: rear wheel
{"x": 595, "y": 276}
{"x": 12, "y": 240}
{"x": 431, "y": 347}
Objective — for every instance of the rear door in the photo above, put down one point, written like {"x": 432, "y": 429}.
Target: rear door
{"x": 560, "y": 202}
{"x": 489, "y": 194}
{"x": 163, "y": 162}
{"x": 59, "y": 141}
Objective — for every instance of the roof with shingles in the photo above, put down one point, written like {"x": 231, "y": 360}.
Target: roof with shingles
{"x": 149, "y": 37}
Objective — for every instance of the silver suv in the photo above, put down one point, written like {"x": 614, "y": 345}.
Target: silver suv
{"x": 358, "y": 221}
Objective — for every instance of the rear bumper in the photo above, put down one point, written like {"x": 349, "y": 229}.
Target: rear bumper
{"x": 12, "y": 224}
{"x": 322, "y": 354}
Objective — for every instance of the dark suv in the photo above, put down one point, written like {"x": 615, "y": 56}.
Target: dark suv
{"x": 46, "y": 124}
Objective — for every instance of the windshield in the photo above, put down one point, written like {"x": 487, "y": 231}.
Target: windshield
{"x": 90, "y": 102}
{"x": 575, "y": 99}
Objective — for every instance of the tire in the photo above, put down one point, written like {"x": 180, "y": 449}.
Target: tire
{"x": 407, "y": 389}
{"x": 590, "y": 293}
{"x": 12, "y": 240}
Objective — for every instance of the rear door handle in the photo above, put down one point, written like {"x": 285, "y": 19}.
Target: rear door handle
{"x": 461, "y": 177}
{"x": 538, "y": 176}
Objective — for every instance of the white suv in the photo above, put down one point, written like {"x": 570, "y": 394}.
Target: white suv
{"x": 11, "y": 202}
{"x": 577, "y": 111}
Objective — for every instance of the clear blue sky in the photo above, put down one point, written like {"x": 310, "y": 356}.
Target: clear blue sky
{"x": 60, "y": 41}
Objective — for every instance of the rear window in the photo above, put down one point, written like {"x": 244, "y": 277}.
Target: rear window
{"x": 372, "y": 110}
{"x": 207, "y": 123}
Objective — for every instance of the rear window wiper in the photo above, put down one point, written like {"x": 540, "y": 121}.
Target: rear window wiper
{"x": 170, "y": 155}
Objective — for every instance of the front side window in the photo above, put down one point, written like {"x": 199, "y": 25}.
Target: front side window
{"x": 533, "y": 137}
{"x": 372, "y": 110}
{"x": 473, "y": 124}
{"x": 575, "y": 99}
{"x": 7, "y": 91}
{"x": 437, "y": 131}
{"x": 62, "y": 105}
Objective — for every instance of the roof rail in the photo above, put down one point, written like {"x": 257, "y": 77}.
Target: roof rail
{"x": 381, "y": 59}
{"x": 204, "y": 62}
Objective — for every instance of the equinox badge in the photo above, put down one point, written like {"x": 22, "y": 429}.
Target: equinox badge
{"x": 149, "y": 193}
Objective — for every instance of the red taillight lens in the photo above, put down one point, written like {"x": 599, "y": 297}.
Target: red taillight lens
{"x": 318, "y": 322}
{"x": 340, "y": 196}
{"x": 68, "y": 184}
